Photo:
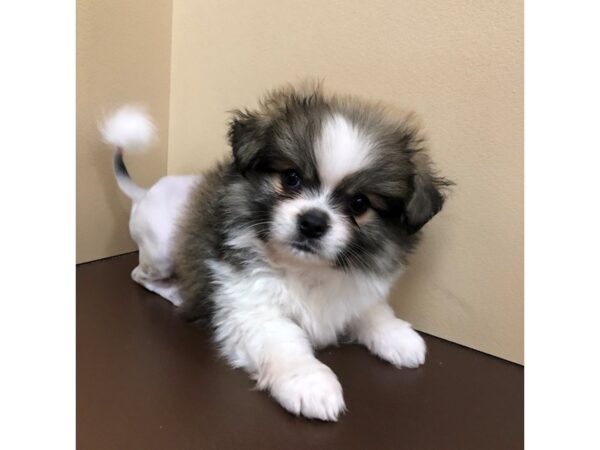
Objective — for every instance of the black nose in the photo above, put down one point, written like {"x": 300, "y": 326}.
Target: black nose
{"x": 313, "y": 223}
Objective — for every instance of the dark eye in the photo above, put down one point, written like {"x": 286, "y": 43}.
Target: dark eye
{"x": 359, "y": 204}
{"x": 291, "y": 179}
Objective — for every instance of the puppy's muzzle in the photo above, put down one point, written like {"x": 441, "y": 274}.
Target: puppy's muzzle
{"x": 313, "y": 223}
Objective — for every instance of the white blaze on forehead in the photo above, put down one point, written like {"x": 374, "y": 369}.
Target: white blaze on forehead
{"x": 340, "y": 150}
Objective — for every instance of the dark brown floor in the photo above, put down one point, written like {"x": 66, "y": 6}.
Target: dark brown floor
{"x": 147, "y": 380}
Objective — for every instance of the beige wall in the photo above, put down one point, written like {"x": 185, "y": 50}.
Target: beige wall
{"x": 459, "y": 64}
{"x": 123, "y": 55}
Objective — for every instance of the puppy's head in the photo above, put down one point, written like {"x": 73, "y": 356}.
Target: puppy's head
{"x": 334, "y": 180}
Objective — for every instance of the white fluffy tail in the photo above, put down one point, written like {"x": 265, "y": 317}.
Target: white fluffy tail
{"x": 129, "y": 130}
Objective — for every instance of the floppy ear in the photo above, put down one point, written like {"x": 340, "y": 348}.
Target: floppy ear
{"x": 427, "y": 198}
{"x": 247, "y": 136}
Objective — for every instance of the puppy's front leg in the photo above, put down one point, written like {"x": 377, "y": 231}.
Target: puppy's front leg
{"x": 390, "y": 338}
{"x": 276, "y": 352}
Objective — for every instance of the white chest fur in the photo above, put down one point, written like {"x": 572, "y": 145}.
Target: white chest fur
{"x": 324, "y": 302}
{"x": 321, "y": 301}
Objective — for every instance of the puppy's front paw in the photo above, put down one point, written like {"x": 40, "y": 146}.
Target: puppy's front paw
{"x": 310, "y": 390}
{"x": 399, "y": 344}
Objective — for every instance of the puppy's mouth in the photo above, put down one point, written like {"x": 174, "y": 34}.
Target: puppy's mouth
{"x": 304, "y": 247}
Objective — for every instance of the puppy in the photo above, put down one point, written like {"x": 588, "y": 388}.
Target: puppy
{"x": 292, "y": 241}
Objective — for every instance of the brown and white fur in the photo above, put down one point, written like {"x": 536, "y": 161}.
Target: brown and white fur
{"x": 292, "y": 241}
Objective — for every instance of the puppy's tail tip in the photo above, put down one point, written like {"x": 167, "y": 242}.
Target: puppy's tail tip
{"x": 128, "y": 130}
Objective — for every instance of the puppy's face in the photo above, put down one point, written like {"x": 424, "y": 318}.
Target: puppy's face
{"x": 333, "y": 181}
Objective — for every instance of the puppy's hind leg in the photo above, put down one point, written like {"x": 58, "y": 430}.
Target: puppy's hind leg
{"x": 152, "y": 225}
{"x": 165, "y": 287}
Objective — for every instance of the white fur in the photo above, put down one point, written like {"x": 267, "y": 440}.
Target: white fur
{"x": 129, "y": 129}
{"x": 341, "y": 150}
{"x": 390, "y": 338}
{"x": 305, "y": 386}
{"x": 285, "y": 224}
{"x": 269, "y": 319}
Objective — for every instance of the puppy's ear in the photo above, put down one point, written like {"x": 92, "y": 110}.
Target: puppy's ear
{"x": 248, "y": 137}
{"x": 427, "y": 196}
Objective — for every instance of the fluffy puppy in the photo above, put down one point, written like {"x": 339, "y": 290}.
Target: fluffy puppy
{"x": 293, "y": 240}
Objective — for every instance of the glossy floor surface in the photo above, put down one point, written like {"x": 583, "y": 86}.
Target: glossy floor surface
{"x": 148, "y": 380}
